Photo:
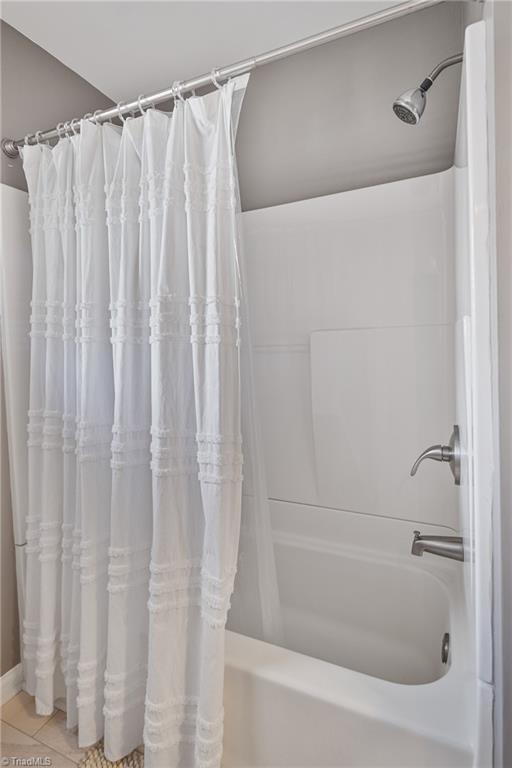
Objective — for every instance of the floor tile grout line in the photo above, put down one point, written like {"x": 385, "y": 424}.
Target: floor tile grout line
{"x": 42, "y": 743}
{"x": 31, "y": 714}
{"x": 48, "y": 718}
{"x": 20, "y": 730}
{"x": 15, "y": 727}
{"x": 58, "y": 752}
{"x": 34, "y": 736}
{"x": 63, "y": 754}
{"x": 48, "y": 746}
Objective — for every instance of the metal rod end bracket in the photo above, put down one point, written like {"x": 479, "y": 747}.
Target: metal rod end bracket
{"x": 9, "y": 148}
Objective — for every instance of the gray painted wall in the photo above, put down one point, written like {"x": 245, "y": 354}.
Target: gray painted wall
{"x": 321, "y": 122}
{"x": 317, "y": 123}
{"x": 37, "y": 92}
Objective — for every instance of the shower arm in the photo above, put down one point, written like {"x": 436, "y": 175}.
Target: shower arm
{"x": 449, "y": 62}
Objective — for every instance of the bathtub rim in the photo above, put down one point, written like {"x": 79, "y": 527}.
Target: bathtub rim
{"x": 425, "y": 708}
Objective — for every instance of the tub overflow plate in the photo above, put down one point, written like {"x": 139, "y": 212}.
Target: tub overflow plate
{"x": 445, "y": 648}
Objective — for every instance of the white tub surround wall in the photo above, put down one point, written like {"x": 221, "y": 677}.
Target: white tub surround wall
{"x": 352, "y": 299}
{"x": 15, "y": 293}
{"x": 376, "y": 393}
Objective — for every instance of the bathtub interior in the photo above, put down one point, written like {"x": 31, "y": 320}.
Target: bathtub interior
{"x": 383, "y": 618}
{"x": 352, "y": 595}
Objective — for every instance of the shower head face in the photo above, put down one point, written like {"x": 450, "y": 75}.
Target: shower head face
{"x": 410, "y": 105}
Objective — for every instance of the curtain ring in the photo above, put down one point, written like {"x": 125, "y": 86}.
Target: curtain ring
{"x": 121, "y": 116}
{"x": 94, "y": 118}
{"x": 59, "y": 128}
{"x": 72, "y": 125}
{"x": 176, "y": 89}
{"x": 87, "y": 116}
{"x": 139, "y": 99}
{"x": 26, "y": 140}
{"x": 38, "y": 135}
{"x": 213, "y": 77}
{"x": 67, "y": 128}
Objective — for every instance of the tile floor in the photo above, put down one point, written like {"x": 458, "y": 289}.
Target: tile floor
{"x": 27, "y": 735}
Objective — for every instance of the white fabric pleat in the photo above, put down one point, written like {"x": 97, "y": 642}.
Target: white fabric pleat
{"x": 134, "y": 428}
{"x": 131, "y": 514}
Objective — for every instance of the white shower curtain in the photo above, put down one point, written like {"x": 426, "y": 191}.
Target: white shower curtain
{"x": 135, "y": 457}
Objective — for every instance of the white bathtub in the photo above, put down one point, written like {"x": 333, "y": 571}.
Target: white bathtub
{"x": 361, "y": 681}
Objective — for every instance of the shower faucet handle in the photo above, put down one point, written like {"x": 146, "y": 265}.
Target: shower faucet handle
{"x": 450, "y": 453}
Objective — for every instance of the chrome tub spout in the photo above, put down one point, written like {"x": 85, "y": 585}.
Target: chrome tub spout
{"x": 444, "y": 546}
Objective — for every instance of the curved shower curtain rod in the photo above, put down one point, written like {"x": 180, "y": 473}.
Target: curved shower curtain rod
{"x": 10, "y": 146}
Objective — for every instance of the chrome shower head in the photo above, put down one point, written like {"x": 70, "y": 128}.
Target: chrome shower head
{"x": 410, "y": 106}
